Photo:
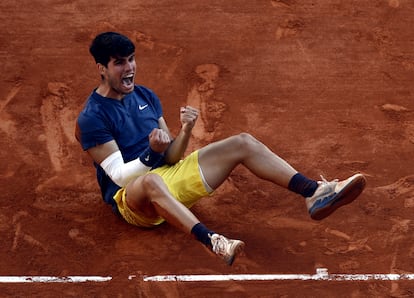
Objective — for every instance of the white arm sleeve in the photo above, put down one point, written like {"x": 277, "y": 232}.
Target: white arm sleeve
{"x": 121, "y": 173}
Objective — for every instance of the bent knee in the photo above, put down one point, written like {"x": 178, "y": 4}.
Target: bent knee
{"x": 147, "y": 185}
{"x": 245, "y": 139}
{"x": 152, "y": 183}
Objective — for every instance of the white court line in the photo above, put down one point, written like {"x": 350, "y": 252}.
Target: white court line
{"x": 57, "y": 279}
{"x": 321, "y": 275}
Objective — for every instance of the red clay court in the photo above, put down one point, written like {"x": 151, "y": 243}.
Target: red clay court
{"x": 327, "y": 85}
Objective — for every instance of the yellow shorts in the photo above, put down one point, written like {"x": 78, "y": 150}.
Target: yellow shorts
{"x": 183, "y": 181}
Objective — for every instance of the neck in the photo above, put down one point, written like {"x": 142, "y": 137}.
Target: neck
{"x": 106, "y": 91}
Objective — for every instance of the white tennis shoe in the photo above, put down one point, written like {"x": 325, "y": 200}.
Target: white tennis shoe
{"x": 329, "y": 196}
{"x": 227, "y": 249}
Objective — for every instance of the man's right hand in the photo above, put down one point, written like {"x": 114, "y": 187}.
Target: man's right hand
{"x": 159, "y": 140}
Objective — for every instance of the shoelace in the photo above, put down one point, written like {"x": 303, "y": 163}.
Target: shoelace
{"x": 219, "y": 244}
{"x": 327, "y": 186}
{"x": 324, "y": 181}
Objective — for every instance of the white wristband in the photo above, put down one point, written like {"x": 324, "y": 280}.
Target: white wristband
{"x": 122, "y": 173}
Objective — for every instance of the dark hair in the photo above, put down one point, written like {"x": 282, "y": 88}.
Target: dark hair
{"x": 110, "y": 44}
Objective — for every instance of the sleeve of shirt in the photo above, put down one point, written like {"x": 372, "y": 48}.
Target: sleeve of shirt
{"x": 157, "y": 105}
{"x": 93, "y": 130}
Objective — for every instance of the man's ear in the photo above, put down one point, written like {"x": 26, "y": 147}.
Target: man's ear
{"x": 101, "y": 68}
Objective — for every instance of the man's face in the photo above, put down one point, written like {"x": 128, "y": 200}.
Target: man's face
{"x": 119, "y": 76}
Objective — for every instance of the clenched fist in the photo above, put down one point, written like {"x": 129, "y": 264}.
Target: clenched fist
{"x": 159, "y": 140}
{"x": 188, "y": 117}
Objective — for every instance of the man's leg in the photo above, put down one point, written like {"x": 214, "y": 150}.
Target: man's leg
{"x": 149, "y": 196}
{"x": 218, "y": 159}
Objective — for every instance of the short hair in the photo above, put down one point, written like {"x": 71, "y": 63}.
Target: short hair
{"x": 110, "y": 44}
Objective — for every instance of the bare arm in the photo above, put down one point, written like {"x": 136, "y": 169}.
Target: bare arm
{"x": 176, "y": 150}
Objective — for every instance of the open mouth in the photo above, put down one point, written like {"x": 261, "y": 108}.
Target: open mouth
{"x": 128, "y": 80}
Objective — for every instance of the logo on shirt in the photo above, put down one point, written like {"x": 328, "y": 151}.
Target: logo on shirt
{"x": 141, "y": 107}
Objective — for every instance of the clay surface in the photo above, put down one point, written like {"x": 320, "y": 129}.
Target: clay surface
{"x": 327, "y": 85}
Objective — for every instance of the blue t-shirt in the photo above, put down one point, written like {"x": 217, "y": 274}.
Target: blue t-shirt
{"x": 128, "y": 121}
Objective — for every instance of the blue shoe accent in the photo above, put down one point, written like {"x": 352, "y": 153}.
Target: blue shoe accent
{"x": 323, "y": 203}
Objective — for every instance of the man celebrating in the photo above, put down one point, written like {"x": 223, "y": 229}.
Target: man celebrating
{"x": 141, "y": 168}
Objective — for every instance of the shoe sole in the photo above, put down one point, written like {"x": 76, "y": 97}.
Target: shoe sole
{"x": 347, "y": 195}
{"x": 237, "y": 251}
